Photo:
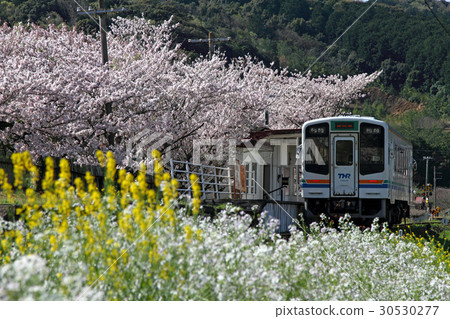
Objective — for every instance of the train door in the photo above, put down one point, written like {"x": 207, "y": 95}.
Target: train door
{"x": 345, "y": 180}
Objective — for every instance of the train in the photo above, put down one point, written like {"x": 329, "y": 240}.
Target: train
{"x": 358, "y": 166}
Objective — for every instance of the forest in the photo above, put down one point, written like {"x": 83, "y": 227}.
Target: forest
{"x": 408, "y": 39}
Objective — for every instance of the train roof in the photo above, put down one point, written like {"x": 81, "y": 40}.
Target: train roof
{"x": 358, "y": 118}
{"x": 369, "y": 119}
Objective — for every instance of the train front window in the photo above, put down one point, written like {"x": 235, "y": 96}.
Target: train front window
{"x": 371, "y": 158}
{"x": 316, "y": 149}
{"x": 344, "y": 153}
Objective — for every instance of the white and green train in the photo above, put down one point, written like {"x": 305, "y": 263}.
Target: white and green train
{"x": 356, "y": 165}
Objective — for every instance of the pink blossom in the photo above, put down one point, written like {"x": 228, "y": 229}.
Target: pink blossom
{"x": 54, "y": 88}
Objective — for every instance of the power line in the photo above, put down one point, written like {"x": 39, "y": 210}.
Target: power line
{"x": 324, "y": 52}
{"x": 436, "y": 17}
{"x": 211, "y": 42}
{"x": 101, "y": 11}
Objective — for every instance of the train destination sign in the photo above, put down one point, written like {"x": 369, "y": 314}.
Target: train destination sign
{"x": 344, "y": 125}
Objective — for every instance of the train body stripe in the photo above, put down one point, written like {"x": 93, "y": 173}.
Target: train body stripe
{"x": 363, "y": 183}
{"x": 318, "y": 181}
{"x": 371, "y": 181}
{"x": 373, "y": 185}
{"x": 304, "y": 185}
{"x": 315, "y": 183}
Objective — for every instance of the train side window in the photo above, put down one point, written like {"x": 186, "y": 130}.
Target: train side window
{"x": 400, "y": 161}
{"x": 371, "y": 155}
{"x": 316, "y": 149}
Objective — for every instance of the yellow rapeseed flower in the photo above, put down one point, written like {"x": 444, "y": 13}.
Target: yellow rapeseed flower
{"x": 53, "y": 243}
{"x": 188, "y": 233}
{"x": 196, "y": 194}
{"x": 156, "y": 154}
{"x": 79, "y": 184}
{"x": 47, "y": 183}
{"x": 122, "y": 175}
{"x": 5, "y": 245}
{"x": 153, "y": 256}
{"x": 110, "y": 166}
{"x": 20, "y": 242}
{"x": 157, "y": 167}
{"x": 199, "y": 234}
{"x": 100, "y": 158}
{"x": 64, "y": 175}
{"x": 19, "y": 169}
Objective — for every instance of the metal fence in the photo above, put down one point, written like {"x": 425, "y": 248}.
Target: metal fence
{"x": 215, "y": 182}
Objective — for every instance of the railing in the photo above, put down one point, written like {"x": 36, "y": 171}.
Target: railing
{"x": 251, "y": 182}
{"x": 215, "y": 182}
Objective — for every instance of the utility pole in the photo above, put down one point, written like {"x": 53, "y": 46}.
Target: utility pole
{"x": 211, "y": 42}
{"x": 102, "y": 12}
{"x": 427, "y": 158}
{"x": 434, "y": 186}
{"x": 102, "y": 22}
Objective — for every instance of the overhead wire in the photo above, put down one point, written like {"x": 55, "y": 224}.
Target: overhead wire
{"x": 436, "y": 17}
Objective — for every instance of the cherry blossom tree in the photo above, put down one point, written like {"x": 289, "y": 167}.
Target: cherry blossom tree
{"x": 54, "y": 91}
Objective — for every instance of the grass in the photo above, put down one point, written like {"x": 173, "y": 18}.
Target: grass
{"x": 432, "y": 231}
{"x": 19, "y": 198}
{"x": 8, "y": 207}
